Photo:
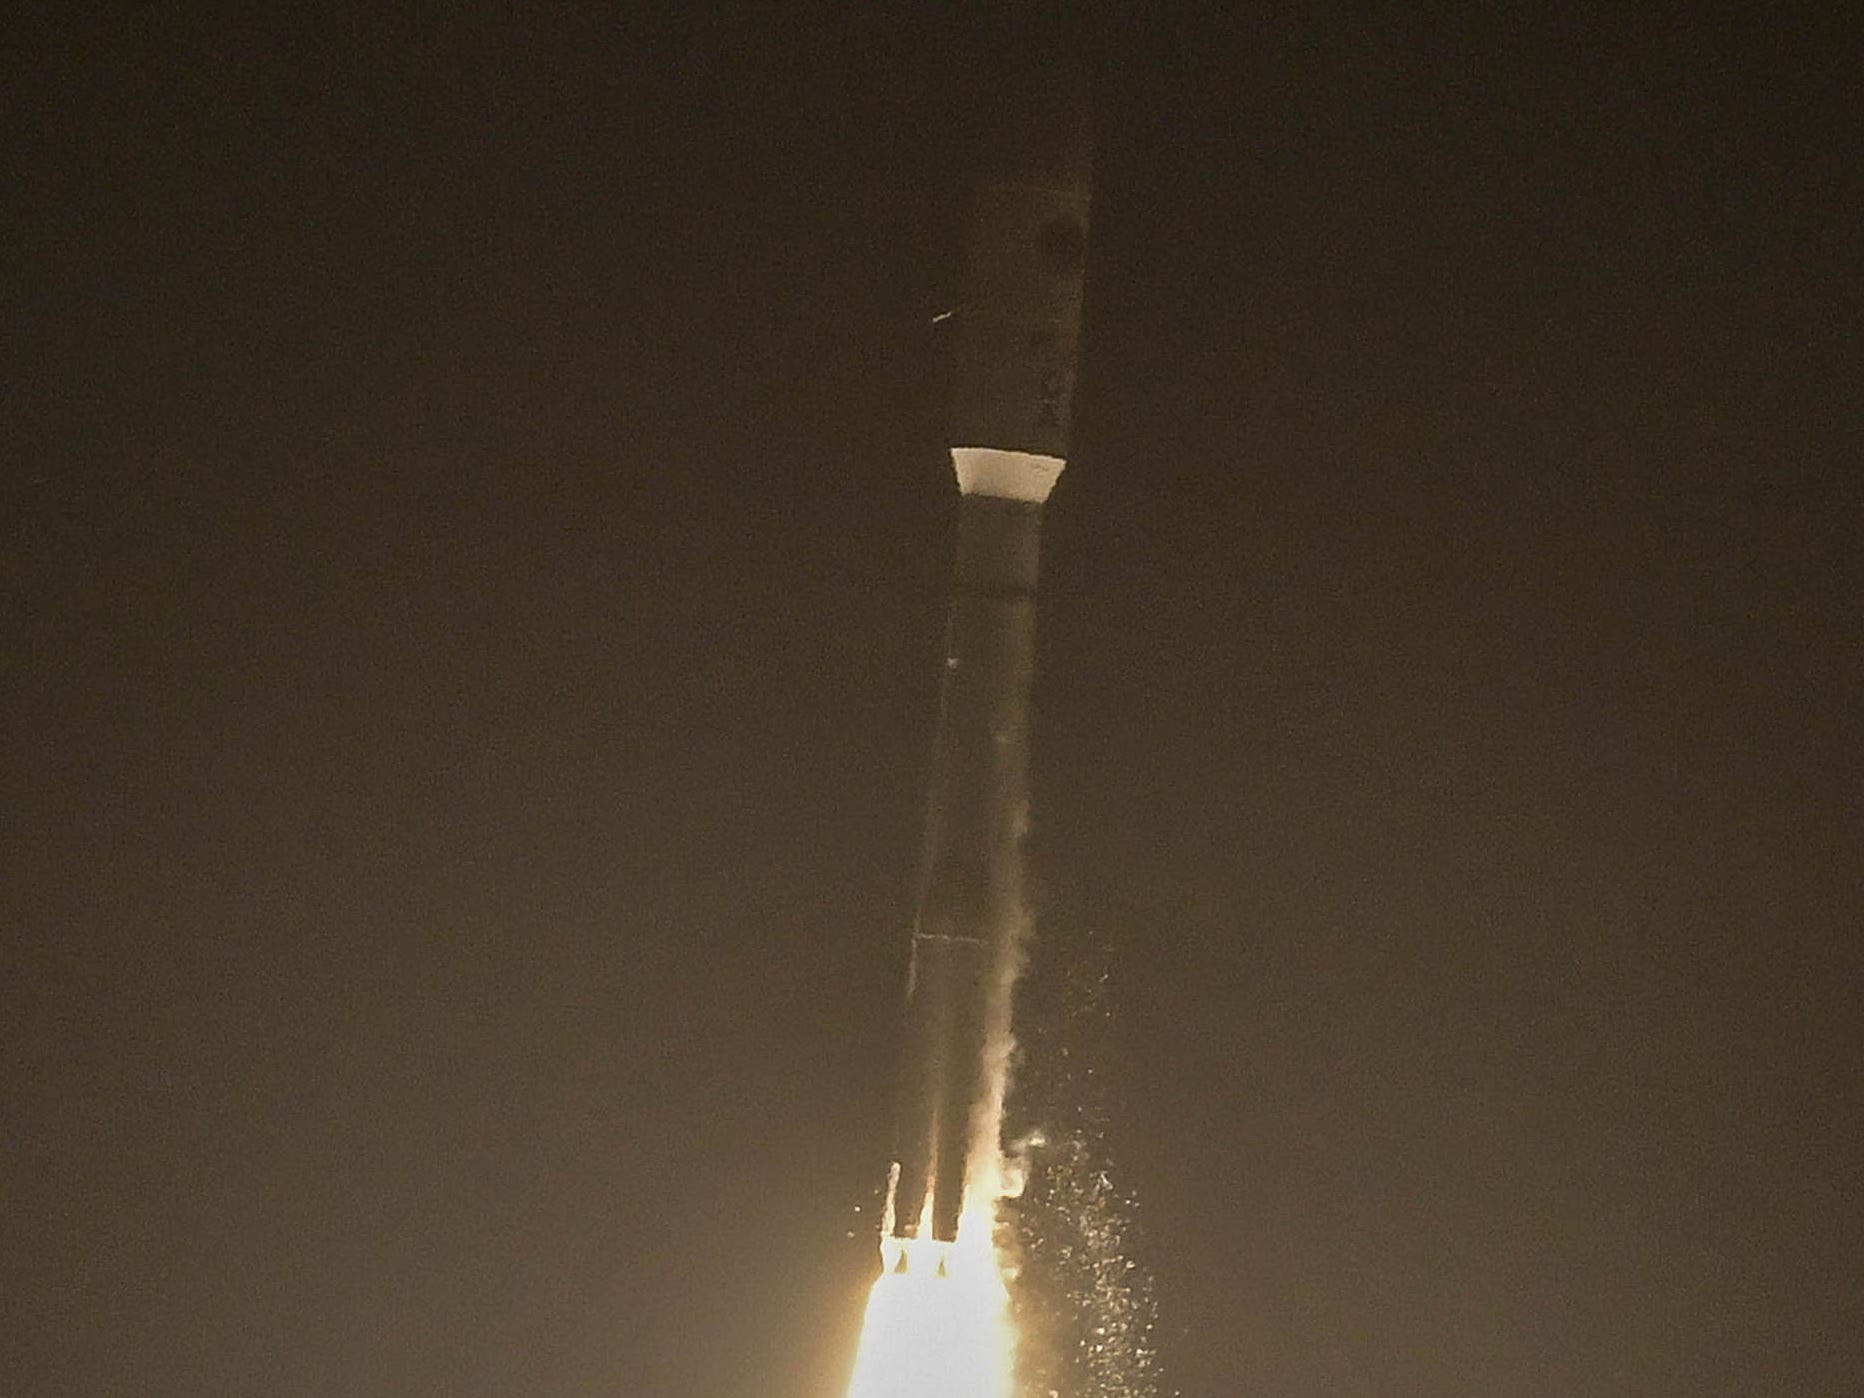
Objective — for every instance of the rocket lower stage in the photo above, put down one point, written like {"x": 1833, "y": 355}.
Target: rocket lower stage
{"x": 1014, "y": 345}
{"x": 970, "y": 919}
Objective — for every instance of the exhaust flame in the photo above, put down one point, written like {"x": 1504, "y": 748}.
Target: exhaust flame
{"x": 938, "y": 1318}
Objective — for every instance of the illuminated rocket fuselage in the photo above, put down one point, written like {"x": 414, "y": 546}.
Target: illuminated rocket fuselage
{"x": 1016, "y": 332}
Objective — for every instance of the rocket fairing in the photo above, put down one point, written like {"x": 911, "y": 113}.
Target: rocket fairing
{"x": 1014, "y": 354}
{"x": 1019, "y": 320}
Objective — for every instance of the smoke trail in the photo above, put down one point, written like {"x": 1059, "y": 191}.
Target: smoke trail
{"x": 985, "y": 1180}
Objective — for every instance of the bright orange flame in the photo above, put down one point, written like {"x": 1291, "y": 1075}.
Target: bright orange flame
{"x": 938, "y": 1319}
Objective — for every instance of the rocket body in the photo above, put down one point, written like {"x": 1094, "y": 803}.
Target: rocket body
{"x": 969, "y": 924}
{"x": 1013, "y": 377}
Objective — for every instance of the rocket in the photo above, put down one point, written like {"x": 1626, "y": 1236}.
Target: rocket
{"x": 1014, "y": 347}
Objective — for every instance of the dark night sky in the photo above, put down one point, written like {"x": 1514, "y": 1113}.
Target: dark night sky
{"x": 475, "y": 522}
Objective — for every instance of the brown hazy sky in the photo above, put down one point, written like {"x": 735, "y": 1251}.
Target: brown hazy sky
{"x": 475, "y": 526}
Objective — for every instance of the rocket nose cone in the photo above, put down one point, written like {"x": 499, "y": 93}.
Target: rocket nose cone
{"x": 1038, "y": 127}
{"x": 1052, "y": 142}
{"x": 1022, "y": 92}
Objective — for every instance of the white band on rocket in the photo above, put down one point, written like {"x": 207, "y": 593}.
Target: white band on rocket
{"x": 1006, "y": 475}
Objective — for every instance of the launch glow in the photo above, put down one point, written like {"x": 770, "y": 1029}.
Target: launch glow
{"x": 938, "y": 1319}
